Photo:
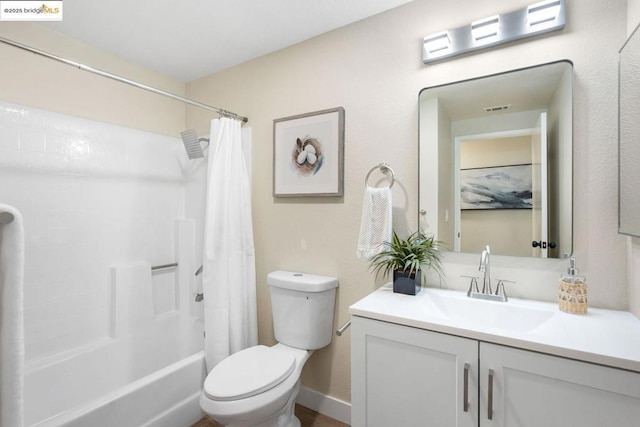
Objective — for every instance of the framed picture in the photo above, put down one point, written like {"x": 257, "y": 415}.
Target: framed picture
{"x": 308, "y": 154}
{"x": 500, "y": 187}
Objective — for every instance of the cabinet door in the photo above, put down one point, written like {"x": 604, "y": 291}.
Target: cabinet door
{"x": 403, "y": 376}
{"x": 534, "y": 390}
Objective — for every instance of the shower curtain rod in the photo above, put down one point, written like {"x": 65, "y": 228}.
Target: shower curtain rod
{"x": 122, "y": 79}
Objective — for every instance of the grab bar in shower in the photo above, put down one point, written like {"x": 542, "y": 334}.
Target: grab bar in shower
{"x": 164, "y": 266}
{"x": 6, "y": 217}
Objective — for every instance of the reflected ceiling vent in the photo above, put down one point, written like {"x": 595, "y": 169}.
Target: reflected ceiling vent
{"x": 496, "y": 108}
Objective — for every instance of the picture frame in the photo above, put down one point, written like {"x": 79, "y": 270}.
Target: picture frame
{"x": 497, "y": 187}
{"x": 308, "y": 154}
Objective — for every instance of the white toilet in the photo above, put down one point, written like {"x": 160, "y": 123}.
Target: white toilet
{"x": 258, "y": 386}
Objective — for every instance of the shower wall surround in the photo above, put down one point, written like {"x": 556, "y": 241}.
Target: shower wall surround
{"x": 92, "y": 195}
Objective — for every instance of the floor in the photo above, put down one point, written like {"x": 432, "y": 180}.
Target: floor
{"x": 307, "y": 417}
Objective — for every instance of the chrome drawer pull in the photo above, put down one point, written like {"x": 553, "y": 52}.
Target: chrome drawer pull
{"x": 465, "y": 401}
{"x": 490, "y": 403}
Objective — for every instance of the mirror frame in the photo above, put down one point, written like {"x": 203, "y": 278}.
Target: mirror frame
{"x": 564, "y": 251}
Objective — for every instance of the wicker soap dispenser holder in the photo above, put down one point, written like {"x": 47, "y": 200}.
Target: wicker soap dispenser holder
{"x": 572, "y": 290}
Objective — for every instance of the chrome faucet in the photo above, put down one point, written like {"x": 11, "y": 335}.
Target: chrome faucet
{"x": 485, "y": 267}
{"x": 487, "y": 293}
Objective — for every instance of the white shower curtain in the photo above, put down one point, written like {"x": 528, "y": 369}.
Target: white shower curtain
{"x": 229, "y": 276}
{"x": 11, "y": 320}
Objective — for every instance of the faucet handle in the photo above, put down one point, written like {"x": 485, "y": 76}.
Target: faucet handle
{"x": 500, "y": 287}
{"x": 472, "y": 285}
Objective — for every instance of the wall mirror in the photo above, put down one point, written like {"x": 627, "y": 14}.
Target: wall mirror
{"x": 629, "y": 136}
{"x": 496, "y": 162}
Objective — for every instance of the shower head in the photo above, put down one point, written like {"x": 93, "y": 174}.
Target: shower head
{"x": 192, "y": 144}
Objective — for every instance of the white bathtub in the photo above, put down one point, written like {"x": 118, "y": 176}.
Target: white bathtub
{"x": 151, "y": 380}
{"x": 147, "y": 372}
{"x": 148, "y": 367}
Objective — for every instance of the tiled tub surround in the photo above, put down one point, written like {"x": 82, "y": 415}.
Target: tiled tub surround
{"x": 101, "y": 203}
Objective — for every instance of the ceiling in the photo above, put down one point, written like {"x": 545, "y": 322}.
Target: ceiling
{"x": 189, "y": 39}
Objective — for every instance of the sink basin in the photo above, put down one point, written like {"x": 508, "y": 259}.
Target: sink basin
{"x": 512, "y": 315}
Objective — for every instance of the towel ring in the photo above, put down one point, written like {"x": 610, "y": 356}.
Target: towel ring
{"x": 384, "y": 168}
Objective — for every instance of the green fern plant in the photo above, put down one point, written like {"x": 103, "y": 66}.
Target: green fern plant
{"x": 417, "y": 252}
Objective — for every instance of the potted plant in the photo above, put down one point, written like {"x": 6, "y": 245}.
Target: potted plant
{"x": 406, "y": 258}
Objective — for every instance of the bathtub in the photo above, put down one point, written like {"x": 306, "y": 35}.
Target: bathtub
{"x": 146, "y": 369}
{"x": 134, "y": 381}
{"x": 166, "y": 398}
{"x": 77, "y": 392}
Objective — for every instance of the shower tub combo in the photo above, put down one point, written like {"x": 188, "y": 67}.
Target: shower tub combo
{"x": 109, "y": 341}
{"x": 149, "y": 370}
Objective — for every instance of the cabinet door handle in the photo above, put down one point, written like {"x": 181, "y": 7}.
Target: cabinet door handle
{"x": 465, "y": 397}
{"x": 490, "y": 400}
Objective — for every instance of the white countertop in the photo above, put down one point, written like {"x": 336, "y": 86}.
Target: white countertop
{"x": 606, "y": 337}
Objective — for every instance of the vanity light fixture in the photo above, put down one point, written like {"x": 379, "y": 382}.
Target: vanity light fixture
{"x": 545, "y": 12}
{"x": 533, "y": 20}
{"x": 437, "y": 42}
{"x": 485, "y": 30}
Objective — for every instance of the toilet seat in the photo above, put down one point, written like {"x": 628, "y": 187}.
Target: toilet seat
{"x": 248, "y": 373}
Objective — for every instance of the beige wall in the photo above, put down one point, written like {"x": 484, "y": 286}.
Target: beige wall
{"x": 32, "y": 80}
{"x": 373, "y": 69}
{"x": 479, "y": 228}
{"x": 485, "y": 153}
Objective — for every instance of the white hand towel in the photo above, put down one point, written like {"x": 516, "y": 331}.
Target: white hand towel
{"x": 376, "y": 222}
{"x": 11, "y": 320}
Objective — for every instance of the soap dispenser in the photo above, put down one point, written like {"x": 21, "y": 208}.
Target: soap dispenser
{"x": 572, "y": 291}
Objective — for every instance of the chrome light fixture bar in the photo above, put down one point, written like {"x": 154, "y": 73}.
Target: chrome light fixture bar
{"x": 533, "y": 20}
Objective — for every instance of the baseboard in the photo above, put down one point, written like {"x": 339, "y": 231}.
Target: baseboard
{"x": 326, "y": 405}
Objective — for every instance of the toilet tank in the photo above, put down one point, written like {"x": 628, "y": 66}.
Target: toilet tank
{"x": 302, "y": 306}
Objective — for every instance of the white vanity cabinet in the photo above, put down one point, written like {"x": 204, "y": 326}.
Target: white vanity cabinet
{"x": 533, "y": 389}
{"x": 406, "y": 376}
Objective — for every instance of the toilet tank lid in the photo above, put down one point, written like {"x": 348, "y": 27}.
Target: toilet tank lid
{"x": 303, "y": 282}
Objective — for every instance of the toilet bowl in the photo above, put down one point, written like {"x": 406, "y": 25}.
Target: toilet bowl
{"x": 252, "y": 398}
{"x": 257, "y": 387}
